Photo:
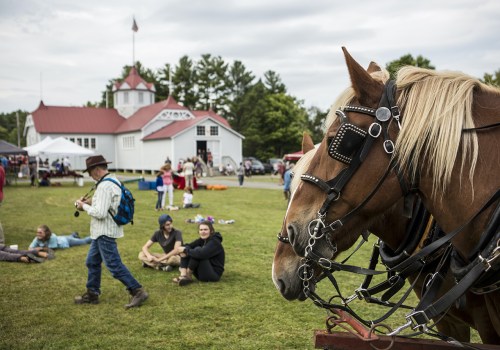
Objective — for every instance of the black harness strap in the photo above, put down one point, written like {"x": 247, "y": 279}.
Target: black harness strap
{"x": 482, "y": 128}
{"x": 423, "y": 313}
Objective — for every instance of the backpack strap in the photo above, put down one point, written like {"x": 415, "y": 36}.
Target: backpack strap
{"x": 117, "y": 184}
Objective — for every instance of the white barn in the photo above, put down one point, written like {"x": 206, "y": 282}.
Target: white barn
{"x": 138, "y": 135}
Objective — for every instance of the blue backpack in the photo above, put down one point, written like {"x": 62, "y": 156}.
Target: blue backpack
{"x": 125, "y": 211}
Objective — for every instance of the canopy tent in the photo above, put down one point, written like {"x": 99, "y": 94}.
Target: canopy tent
{"x": 293, "y": 156}
{"x": 34, "y": 150}
{"x": 9, "y": 148}
{"x": 59, "y": 145}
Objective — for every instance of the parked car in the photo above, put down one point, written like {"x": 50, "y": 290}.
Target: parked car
{"x": 257, "y": 166}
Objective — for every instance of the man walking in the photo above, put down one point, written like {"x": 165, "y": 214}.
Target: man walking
{"x": 104, "y": 232}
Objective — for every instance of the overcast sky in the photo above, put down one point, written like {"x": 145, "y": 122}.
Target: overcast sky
{"x": 66, "y": 51}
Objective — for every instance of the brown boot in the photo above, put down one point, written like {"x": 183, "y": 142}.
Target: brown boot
{"x": 89, "y": 297}
{"x": 139, "y": 295}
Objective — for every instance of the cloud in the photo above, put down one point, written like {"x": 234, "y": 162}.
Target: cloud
{"x": 77, "y": 47}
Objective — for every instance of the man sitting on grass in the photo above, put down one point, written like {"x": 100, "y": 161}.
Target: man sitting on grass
{"x": 169, "y": 239}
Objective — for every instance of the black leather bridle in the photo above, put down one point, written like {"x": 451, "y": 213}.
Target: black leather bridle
{"x": 351, "y": 146}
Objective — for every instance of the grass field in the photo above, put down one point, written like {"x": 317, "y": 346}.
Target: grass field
{"x": 242, "y": 311}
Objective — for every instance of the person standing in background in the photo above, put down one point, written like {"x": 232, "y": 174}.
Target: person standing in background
{"x": 168, "y": 185}
{"x": 2, "y": 182}
{"x": 287, "y": 182}
{"x": 160, "y": 190}
{"x": 188, "y": 169}
{"x": 241, "y": 173}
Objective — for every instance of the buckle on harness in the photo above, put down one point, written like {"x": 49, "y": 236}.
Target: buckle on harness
{"x": 395, "y": 112}
{"x": 374, "y": 130}
{"x": 324, "y": 263}
{"x": 393, "y": 279}
{"x": 389, "y": 146}
{"x": 335, "y": 225}
{"x": 362, "y": 293}
{"x": 494, "y": 255}
{"x": 418, "y": 320}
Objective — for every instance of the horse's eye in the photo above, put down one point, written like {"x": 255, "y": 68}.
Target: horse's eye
{"x": 292, "y": 174}
{"x": 329, "y": 140}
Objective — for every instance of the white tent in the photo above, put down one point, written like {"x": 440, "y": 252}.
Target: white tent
{"x": 59, "y": 145}
{"x": 33, "y": 150}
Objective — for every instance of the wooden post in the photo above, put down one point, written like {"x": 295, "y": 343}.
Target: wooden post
{"x": 348, "y": 341}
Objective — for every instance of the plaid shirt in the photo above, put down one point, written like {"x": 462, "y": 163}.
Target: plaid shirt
{"x": 107, "y": 196}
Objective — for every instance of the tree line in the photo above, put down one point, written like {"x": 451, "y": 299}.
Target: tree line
{"x": 262, "y": 110}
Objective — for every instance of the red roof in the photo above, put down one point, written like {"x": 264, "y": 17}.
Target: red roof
{"x": 74, "y": 120}
{"x": 145, "y": 114}
{"x": 133, "y": 79}
{"x": 176, "y": 127}
{"x": 62, "y": 120}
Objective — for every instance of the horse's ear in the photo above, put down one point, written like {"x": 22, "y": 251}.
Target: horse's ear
{"x": 373, "y": 67}
{"x": 366, "y": 88}
{"x": 307, "y": 143}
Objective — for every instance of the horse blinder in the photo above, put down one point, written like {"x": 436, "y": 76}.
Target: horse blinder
{"x": 346, "y": 143}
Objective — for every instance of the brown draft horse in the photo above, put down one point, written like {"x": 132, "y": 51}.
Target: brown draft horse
{"x": 453, "y": 170}
{"x": 388, "y": 226}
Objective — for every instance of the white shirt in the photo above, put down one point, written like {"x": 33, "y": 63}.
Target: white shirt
{"x": 107, "y": 195}
{"x": 188, "y": 198}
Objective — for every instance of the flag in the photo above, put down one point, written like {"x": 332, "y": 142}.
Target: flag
{"x": 135, "y": 28}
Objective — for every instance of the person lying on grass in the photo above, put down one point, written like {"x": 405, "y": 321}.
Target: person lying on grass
{"x": 204, "y": 258}
{"x": 45, "y": 238}
{"x": 24, "y": 256}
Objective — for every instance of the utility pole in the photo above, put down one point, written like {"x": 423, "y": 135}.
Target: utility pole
{"x": 18, "y": 131}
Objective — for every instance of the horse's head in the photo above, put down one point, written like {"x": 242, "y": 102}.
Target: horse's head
{"x": 286, "y": 262}
{"x": 339, "y": 176}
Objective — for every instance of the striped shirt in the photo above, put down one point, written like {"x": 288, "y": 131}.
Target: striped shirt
{"x": 106, "y": 196}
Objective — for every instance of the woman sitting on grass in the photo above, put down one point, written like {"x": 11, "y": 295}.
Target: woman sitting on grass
{"x": 187, "y": 199}
{"x": 46, "y": 239}
{"x": 204, "y": 258}
{"x": 24, "y": 256}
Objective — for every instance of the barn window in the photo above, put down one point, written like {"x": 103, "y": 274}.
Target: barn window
{"x": 200, "y": 130}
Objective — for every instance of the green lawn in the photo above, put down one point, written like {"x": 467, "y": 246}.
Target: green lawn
{"x": 242, "y": 311}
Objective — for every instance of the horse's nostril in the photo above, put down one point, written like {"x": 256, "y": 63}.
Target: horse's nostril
{"x": 281, "y": 285}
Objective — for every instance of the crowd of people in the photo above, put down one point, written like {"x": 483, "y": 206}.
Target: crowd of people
{"x": 37, "y": 170}
{"x": 202, "y": 259}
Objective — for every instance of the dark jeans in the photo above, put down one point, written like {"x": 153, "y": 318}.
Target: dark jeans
{"x": 202, "y": 269}
{"x": 12, "y": 255}
{"x": 104, "y": 249}
{"x": 158, "y": 202}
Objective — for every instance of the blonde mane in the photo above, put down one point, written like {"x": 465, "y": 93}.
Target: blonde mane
{"x": 436, "y": 107}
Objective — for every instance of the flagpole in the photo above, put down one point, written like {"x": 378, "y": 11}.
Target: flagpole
{"x": 135, "y": 28}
